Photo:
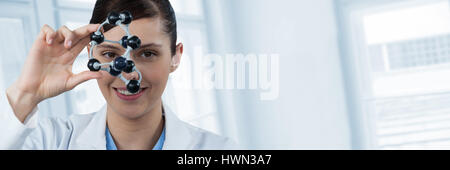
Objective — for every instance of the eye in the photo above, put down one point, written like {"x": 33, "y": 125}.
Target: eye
{"x": 148, "y": 54}
{"x": 109, "y": 54}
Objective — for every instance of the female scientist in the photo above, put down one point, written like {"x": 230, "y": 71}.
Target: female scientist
{"x": 128, "y": 121}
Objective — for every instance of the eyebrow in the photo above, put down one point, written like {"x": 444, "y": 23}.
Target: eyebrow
{"x": 108, "y": 46}
{"x": 151, "y": 45}
{"x": 142, "y": 46}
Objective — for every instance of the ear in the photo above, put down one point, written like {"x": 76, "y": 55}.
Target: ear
{"x": 175, "y": 62}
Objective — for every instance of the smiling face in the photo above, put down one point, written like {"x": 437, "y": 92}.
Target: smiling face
{"x": 153, "y": 59}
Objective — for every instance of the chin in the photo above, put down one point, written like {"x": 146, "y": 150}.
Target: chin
{"x": 130, "y": 112}
{"x": 133, "y": 110}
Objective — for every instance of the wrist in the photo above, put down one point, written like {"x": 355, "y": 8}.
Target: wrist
{"x": 21, "y": 102}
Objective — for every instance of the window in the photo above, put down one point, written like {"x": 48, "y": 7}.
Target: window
{"x": 402, "y": 55}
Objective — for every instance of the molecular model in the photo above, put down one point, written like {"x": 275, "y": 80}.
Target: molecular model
{"x": 122, "y": 63}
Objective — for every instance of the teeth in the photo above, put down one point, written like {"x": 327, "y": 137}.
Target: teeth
{"x": 126, "y": 92}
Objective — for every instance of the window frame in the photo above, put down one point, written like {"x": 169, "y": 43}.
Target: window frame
{"x": 356, "y": 65}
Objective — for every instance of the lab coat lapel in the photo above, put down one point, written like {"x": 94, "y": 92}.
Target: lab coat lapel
{"x": 178, "y": 136}
{"x": 93, "y": 135}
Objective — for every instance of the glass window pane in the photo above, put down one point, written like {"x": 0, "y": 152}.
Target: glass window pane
{"x": 12, "y": 53}
{"x": 409, "y": 49}
{"x": 409, "y": 55}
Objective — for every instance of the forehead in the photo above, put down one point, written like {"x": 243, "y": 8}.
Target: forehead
{"x": 149, "y": 30}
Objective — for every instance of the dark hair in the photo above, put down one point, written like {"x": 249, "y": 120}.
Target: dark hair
{"x": 139, "y": 9}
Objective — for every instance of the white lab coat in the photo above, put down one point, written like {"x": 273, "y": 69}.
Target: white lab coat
{"x": 82, "y": 132}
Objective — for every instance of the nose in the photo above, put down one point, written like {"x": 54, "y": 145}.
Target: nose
{"x": 131, "y": 76}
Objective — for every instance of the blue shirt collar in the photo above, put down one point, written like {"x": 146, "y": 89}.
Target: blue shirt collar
{"x": 110, "y": 145}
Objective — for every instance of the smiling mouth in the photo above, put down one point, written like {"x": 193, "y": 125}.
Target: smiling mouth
{"x": 124, "y": 94}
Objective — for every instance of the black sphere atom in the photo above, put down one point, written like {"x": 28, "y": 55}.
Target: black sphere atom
{"x": 134, "y": 42}
{"x": 129, "y": 67}
{"x": 113, "y": 72}
{"x": 127, "y": 17}
{"x": 113, "y": 17}
{"x": 123, "y": 41}
{"x": 91, "y": 64}
{"x": 97, "y": 38}
{"x": 133, "y": 86}
{"x": 120, "y": 63}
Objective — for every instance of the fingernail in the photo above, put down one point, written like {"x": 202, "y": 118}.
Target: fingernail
{"x": 49, "y": 41}
{"x": 69, "y": 43}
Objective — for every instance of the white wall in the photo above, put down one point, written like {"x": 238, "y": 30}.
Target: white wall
{"x": 310, "y": 112}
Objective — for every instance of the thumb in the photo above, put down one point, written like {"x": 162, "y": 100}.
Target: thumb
{"x": 82, "y": 77}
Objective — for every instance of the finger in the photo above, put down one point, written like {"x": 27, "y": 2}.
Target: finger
{"x": 51, "y": 35}
{"x": 66, "y": 35}
{"x": 79, "y": 46}
{"x": 83, "y": 32}
{"x": 46, "y": 34}
{"x": 86, "y": 30}
{"x": 73, "y": 52}
{"x": 82, "y": 77}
